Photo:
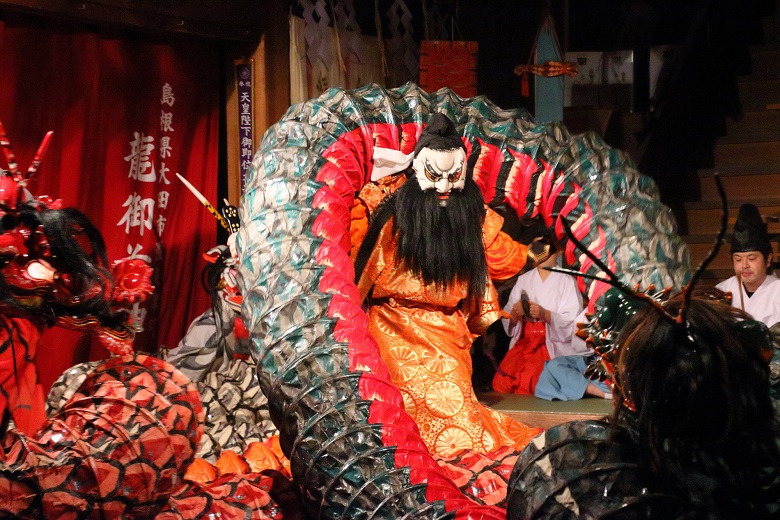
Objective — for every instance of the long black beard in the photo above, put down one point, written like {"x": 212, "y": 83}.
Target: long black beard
{"x": 442, "y": 245}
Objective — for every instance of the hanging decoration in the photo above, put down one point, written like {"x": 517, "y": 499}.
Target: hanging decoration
{"x": 346, "y": 31}
{"x": 450, "y": 64}
{"x": 445, "y": 61}
{"x": 549, "y": 68}
{"x": 381, "y": 42}
{"x": 316, "y": 32}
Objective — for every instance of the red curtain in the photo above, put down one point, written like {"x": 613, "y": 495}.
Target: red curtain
{"x": 127, "y": 115}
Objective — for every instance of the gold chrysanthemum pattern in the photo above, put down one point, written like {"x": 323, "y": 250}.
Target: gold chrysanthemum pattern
{"x": 452, "y": 440}
{"x": 444, "y": 399}
{"x": 428, "y": 358}
{"x": 438, "y": 362}
{"x": 402, "y": 362}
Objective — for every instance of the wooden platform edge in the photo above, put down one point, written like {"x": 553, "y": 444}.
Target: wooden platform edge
{"x": 547, "y": 419}
{"x": 540, "y": 413}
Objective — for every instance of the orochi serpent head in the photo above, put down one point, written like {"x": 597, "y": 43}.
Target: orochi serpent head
{"x": 53, "y": 262}
{"x": 49, "y": 255}
{"x": 602, "y": 329}
{"x": 619, "y": 304}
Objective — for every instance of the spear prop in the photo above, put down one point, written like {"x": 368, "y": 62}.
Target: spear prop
{"x": 198, "y": 195}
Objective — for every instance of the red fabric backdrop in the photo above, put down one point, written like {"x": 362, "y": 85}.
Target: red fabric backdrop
{"x": 127, "y": 115}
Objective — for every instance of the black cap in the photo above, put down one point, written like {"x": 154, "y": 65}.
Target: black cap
{"x": 440, "y": 134}
{"x": 750, "y": 233}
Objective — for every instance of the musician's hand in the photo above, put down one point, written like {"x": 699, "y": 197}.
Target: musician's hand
{"x": 537, "y": 311}
{"x": 517, "y": 311}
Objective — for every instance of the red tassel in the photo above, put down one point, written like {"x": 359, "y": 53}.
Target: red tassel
{"x": 524, "y": 85}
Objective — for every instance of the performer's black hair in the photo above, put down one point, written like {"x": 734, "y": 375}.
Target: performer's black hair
{"x": 443, "y": 245}
{"x": 701, "y": 412}
{"x": 211, "y": 279}
{"x": 692, "y": 388}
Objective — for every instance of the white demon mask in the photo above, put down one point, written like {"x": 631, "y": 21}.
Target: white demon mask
{"x": 442, "y": 170}
{"x": 440, "y": 158}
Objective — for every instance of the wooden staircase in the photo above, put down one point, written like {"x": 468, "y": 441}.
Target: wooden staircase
{"x": 747, "y": 159}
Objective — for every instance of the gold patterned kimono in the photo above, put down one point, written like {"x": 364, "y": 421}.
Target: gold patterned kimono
{"x": 425, "y": 336}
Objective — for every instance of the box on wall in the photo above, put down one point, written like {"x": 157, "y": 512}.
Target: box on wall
{"x": 619, "y": 67}
{"x": 589, "y": 68}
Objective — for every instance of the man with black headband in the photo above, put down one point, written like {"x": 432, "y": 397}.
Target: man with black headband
{"x": 424, "y": 269}
{"x": 753, "y": 289}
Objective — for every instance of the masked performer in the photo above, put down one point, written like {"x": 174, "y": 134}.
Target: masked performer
{"x": 218, "y": 335}
{"x": 215, "y": 354}
{"x": 53, "y": 271}
{"x": 424, "y": 269}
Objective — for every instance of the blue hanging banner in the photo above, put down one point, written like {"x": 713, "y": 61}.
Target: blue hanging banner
{"x": 549, "y": 90}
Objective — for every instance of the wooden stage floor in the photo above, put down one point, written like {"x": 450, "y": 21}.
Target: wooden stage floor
{"x": 532, "y": 411}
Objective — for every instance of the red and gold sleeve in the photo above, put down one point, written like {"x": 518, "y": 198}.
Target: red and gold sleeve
{"x": 505, "y": 257}
{"x": 358, "y": 226}
{"x": 481, "y": 314}
{"x": 367, "y": 200}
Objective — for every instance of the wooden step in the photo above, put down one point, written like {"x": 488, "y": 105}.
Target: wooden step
{"x": 764, "y": 61}
{"x": 712, "y": 277}
{"x": 737, "y": 184}
{"x": 750, "y": 157}
{"x": 539, "y": 413}
{"x": 755, "y": 124}
{"x": 758, "y": 93}
{"x": 701, "y": 245}
{"x": 704, "y": 217}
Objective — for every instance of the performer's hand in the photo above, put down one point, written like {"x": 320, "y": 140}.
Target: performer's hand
{"x": 538, "y": 312}
{"x": 517, "y": 311}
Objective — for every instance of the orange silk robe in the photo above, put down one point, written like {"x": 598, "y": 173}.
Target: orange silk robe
{"x": 425, "y": 338}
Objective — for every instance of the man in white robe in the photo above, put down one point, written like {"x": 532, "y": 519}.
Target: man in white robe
{"x": 554, "y": 299}
{"x": 762, "y": 302}
{"x": 753, "y": 288}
